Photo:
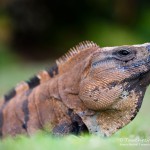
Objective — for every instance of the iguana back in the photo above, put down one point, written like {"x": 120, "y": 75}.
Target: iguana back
{"x": 90, "y": 89}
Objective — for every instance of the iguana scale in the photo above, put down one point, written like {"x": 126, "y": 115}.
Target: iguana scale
{"x": 90, "y": 89}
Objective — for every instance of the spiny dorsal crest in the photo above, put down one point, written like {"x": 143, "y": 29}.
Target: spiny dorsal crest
{"x": 76, "y": 50}
{"x": 46, "y": 75}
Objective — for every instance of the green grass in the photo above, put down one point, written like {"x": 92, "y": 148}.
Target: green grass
{"x": 45, "y": 142}
{"x": 13, "y": 73}
{"x": 88, "y": 142}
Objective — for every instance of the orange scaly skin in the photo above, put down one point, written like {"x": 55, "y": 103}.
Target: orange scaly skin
{"x": 90, "y": 89}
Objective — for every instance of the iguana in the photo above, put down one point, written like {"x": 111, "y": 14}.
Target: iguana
{"x": 90, "y": 89}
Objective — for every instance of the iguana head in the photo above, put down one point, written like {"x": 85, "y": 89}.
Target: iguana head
{"x": 113, "y": 85}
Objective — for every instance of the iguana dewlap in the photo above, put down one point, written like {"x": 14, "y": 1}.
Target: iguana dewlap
{"x": 90, "y": 89}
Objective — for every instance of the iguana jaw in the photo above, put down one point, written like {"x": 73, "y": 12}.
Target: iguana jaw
{"x": 107, "y": 122}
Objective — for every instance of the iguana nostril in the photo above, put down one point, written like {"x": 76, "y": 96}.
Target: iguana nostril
{"x": 148, "y": 59}
{"x": 148, "y": 48}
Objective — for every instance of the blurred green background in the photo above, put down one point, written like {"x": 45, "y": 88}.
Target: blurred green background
{"x": 35, "y": 32}
{"x": 38, "y": 30}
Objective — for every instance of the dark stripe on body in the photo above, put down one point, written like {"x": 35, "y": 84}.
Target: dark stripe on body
{"x": 7, "y": 97}
{"x": 10, "y": 95}
{"x": 25, "y": 110}
{"x": 53, "y": 71}
{"x": 33, "y": 82}
{"x": 2, "y": 118}
{"x": 1, "y": 122}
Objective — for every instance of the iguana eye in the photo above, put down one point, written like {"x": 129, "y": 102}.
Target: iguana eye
{"x": 123, "y": 52}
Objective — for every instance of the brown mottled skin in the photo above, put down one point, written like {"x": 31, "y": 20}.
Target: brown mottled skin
{"x": 91, "y": 89}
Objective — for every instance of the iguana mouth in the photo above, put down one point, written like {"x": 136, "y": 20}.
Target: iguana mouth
{"x": 137, "y": 64}
{"x": 137, "y": 75}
